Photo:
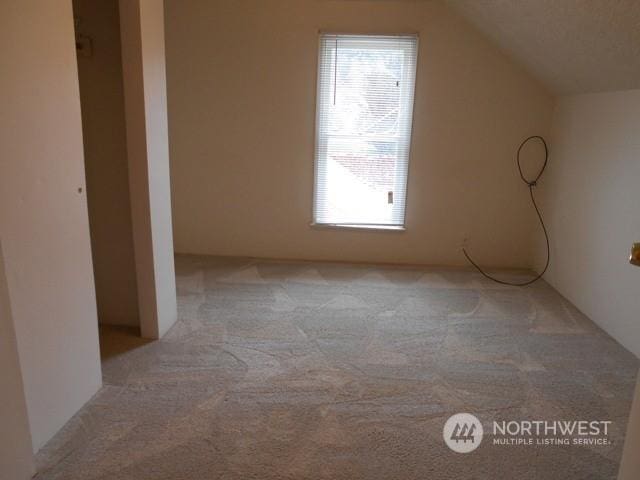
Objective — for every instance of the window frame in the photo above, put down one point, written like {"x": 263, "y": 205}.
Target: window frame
{"x": 401, "y": 180}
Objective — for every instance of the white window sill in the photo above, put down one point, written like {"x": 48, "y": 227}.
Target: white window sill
{"x": 348, "y": 226}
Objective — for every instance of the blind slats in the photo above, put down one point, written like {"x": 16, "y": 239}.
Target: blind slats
{"x": 364, "y": 113}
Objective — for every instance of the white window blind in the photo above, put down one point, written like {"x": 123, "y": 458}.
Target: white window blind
{"x": 364, "y": 112}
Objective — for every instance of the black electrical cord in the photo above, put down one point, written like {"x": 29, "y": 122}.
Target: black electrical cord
{"x": 531, "y": 184}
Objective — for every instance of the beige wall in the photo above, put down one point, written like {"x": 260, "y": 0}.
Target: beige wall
{"x": 16, "y": 457}
{"x": 241, "y": 85}
{"x": 43, "y": 213}
{"x": 591, "y": 199}
{"x": 143, "y": 57}
{"x": 105, "y": 153}
{"x": 630, "y": 464}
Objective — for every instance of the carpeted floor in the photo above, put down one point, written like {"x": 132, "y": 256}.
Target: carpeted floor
{"x": 334, "y": 371}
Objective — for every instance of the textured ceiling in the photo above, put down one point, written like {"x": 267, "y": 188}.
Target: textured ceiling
{"x": 571, "y": 46}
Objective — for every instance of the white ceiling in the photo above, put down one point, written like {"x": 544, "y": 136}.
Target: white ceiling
{"x": 571, "y": 46}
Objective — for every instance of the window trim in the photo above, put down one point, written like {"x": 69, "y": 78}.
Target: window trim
{"x": 351, "y": 226}
{"x": 369, "y": 227}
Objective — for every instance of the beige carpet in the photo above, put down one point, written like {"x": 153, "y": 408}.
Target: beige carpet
{"x": 333, "y": 371}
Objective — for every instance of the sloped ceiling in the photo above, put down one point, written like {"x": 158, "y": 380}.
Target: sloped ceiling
{"x": 571, "y": 46}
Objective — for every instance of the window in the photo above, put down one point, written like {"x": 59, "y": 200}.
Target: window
{"x": 364, "y": 110}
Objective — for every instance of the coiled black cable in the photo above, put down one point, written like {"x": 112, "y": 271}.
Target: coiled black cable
{"x": 531, "y": 184}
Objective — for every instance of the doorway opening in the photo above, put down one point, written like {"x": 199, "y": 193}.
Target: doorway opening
{"x": 100, "y": 75}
